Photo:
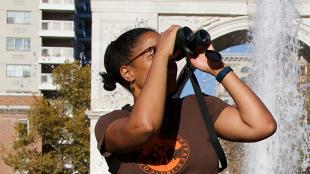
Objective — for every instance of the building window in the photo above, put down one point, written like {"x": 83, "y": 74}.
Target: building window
{"x": 18, "y": 70}
{"x": 68, "y": 26}
{"x": 245, "y": 69}
{"x": 44, "y": 26}
{"x": 44, "y": 79}
{"x": 18, "y": 17}
{"x": 18, "y": 44}
{"x": 23, "y": 128}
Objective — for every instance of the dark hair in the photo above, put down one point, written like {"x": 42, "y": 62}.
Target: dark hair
{"x": 117, "y": 54}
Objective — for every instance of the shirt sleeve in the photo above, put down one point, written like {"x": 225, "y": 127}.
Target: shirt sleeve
{"x": 102, "y": 125}
{"x": 215, "y": 106}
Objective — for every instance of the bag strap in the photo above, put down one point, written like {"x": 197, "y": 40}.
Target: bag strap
{"x": 113, "y": 164}
{"x": 204, "y": 111}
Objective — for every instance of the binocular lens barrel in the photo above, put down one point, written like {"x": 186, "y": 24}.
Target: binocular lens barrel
{"x": 183, "y": 37}
{"x": 190, "y": 44}
{"x": 202, "y": 38}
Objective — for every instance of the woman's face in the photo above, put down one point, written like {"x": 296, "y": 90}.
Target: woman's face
{"x": 141, "y": 65}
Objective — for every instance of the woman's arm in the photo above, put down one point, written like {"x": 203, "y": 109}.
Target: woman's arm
{"x": 249, "y": 120}
{"x": 145, "y": 120}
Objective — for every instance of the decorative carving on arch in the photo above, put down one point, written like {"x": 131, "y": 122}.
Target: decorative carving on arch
{"x": 304, "y": 31}
{"x": 110, "y": 27}
{"x": 227, "y": 25}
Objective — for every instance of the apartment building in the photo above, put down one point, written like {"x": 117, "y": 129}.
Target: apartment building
{"x": 35, "y": 37}
{"x": 65, "y": 29}
{"x": 56, "y": 29}
{"x": 19, "y": 68}
{"x": 19, "y": 45}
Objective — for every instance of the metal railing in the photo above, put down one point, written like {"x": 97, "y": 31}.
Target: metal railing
{"x": 46, "y": 82}
{"x": 57, "y": 25}
{"x": 57, "y": 52}
{"x": 57, "y": 2}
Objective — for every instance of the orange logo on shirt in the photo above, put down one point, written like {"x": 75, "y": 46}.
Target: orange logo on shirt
{"x": 164, "y": 155}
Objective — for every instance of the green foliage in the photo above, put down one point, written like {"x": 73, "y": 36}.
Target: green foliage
{"x": 75, "y": 85}
{"x": 59, "y": 126}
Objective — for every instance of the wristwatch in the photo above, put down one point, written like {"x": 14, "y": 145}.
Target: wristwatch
{"x": 221, "y": 75}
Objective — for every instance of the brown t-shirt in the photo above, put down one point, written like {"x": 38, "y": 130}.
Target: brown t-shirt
{"x": 183, "y": 144}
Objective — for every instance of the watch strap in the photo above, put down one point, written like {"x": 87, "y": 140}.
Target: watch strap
{"x": 221, "y": 75}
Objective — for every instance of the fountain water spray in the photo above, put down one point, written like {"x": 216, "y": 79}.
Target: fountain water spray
{"x": 275, "y": 80}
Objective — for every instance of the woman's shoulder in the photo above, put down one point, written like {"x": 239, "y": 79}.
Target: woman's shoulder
{"x": 214, "y": 104}
{"x": 109, "y": 117}
{"x": 207, "y": 97}
{"x": 113, "y": 115}
{"x": 210, "y": 99}
{"x": 103, "y": 122}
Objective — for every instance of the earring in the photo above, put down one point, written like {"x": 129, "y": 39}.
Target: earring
{"x": 132, "y": 88}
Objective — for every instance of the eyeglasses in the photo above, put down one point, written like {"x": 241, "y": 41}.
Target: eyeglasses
{"x": 150, "y": 50}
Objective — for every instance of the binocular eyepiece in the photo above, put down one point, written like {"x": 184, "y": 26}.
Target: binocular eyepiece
{"x": 192, "y": 44}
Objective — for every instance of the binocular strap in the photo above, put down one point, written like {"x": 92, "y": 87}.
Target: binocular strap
{"x": 204, "y": 111}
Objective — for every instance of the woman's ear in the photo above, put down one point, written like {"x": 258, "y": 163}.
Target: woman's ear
{"x": 127, "y": 74}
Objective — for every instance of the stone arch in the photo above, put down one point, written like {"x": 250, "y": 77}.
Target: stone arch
{"x": 302, "y": 34}
{"x": 223, "y": 27}
{"x": 237, "y": 28}
{"x": 222, "y": 18}
{"x": 234, "y": 31}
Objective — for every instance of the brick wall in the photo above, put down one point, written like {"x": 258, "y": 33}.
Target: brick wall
{"x": 17, "y": 100}
{"x": 8, "y": 135}
{"x": 8, "y": 121}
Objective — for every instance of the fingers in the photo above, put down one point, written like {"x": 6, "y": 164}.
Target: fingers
{"x": 167, "y": 40}
{"x": 174, "y": 27}
{"x": 171, "y": 29}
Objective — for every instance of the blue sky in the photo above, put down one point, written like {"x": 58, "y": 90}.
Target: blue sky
{"x": 207, "y": 82}
{"x": 244, "y": 48}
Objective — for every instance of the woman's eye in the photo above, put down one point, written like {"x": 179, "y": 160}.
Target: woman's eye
{"x": 152, "y": 51}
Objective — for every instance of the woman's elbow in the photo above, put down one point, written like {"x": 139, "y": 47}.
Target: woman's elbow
{"x": 145, "y": 130}
{"x": 267, "y": 130}
{"x": 271, "y": 128}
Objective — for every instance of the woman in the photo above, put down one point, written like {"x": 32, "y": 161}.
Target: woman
{"x": 165, "y": 135}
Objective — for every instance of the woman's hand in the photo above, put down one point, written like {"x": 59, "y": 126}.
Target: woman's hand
{"x": 207, "y": 65}
{"x": 165, "y": 45}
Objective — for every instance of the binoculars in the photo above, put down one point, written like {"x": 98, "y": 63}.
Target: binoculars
{"x": 192, "y": 44}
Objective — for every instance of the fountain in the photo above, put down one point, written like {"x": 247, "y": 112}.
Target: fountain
{"x": 274, "y": 79}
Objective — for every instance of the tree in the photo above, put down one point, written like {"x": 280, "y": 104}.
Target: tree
{"x": 59, "y": 124}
